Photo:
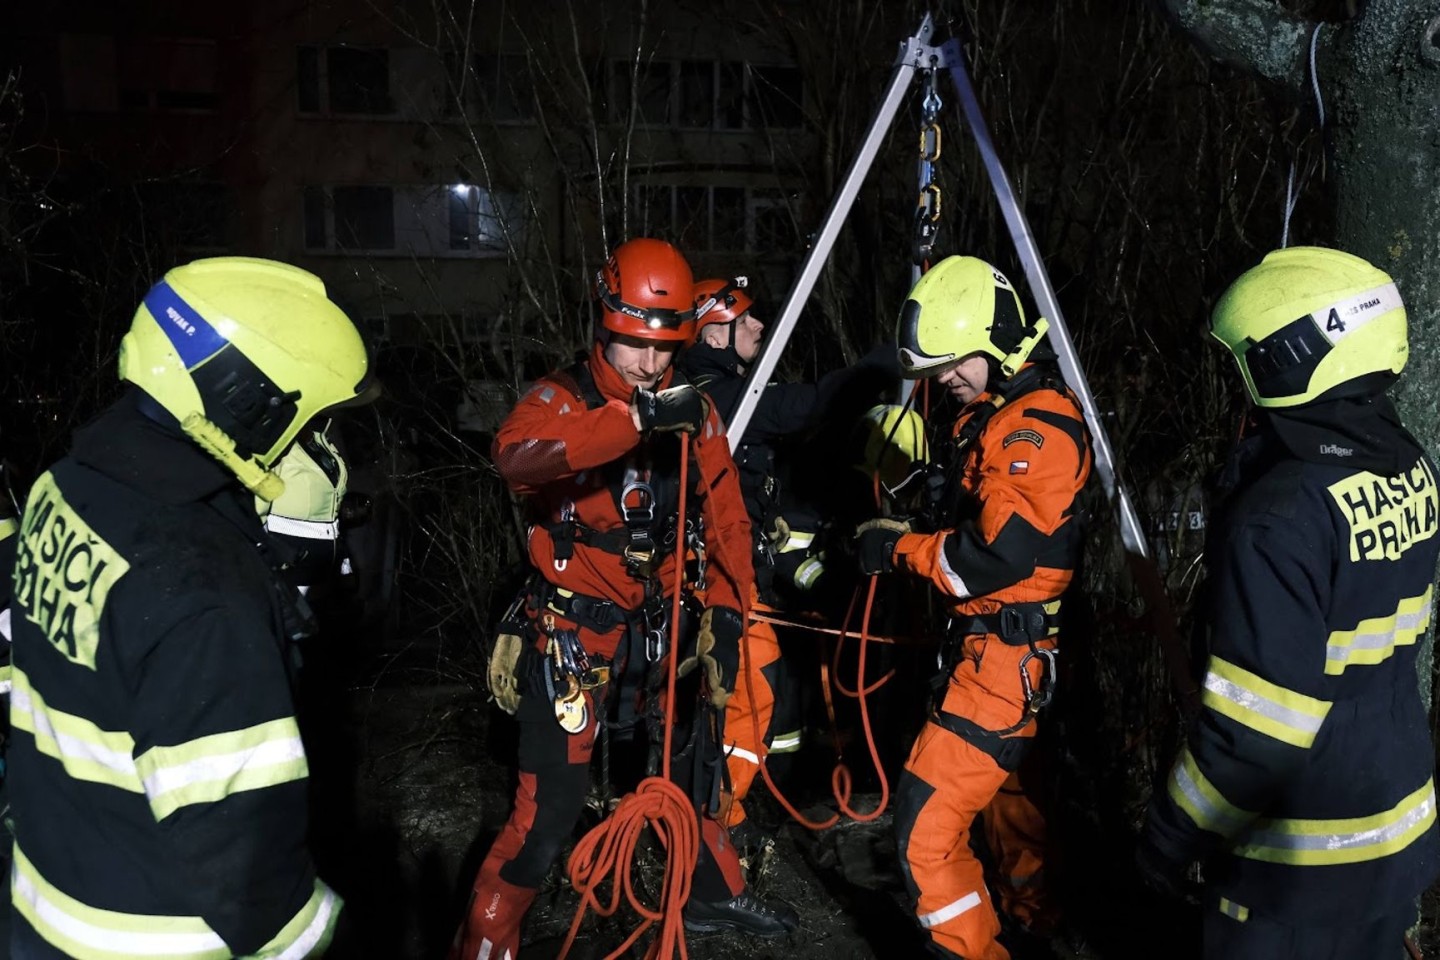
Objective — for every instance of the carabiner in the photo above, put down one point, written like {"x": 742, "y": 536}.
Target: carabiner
{"x": 1035, "y": 702}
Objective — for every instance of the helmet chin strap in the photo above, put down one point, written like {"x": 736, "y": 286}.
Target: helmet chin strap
{"x": 214, "y": 441}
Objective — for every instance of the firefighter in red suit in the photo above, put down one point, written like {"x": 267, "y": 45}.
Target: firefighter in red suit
{"x": 594, "y": 450}
{"x": 1001, "y": 550}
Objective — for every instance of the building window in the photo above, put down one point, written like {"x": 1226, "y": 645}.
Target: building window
{"x": 427, "y": 221}
{"x": 344, "y": 80}
{"x": 479, "y": 218}
{"x": 364, "y": 217}
{"x": 187, "y": 215}
{"x": 774, "y": 98}
{"x": 167, "y": 74}
{"x": 376, "y": 329}
{"x": 716, "y": 219}
{"x": 706, "y": 94}
{"x": 496, "y": 87}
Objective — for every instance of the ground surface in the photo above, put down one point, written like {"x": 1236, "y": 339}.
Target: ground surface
{"x": 407, "y": 808}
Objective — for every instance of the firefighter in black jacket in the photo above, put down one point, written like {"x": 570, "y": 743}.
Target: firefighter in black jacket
{"x": 787, "y": 554}
{"x": 159, "y": 788}
{"x": 1307, "y": 785}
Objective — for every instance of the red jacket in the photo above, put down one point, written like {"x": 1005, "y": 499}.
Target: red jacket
{"x": 553, "y": 449}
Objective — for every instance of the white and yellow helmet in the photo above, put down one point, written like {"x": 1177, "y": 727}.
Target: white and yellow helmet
{"x": 1307, "y": 320}
{"x": 964, "y": 306}
{"x": 246, "y": 351}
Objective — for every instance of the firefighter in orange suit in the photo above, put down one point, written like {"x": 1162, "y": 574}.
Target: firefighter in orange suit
{"x": 1003, "y": 550}
{"x": 594, "y": 450}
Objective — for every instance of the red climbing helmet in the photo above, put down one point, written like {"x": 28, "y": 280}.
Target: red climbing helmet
{"x": 645, "y": 291}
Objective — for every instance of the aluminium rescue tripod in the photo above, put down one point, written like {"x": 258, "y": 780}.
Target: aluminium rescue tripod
{"x": 918, "y": 57}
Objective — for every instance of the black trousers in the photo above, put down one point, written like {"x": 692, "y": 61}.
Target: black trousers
{"x": 1262, "y": 938}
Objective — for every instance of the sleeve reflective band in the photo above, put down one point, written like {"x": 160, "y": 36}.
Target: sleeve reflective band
{"x": 212, "y": 768}
{"x": 1200, "y": 799}
{"x": 1351, "y": 840}
{"x": 86, "y": 751}
{"x": 308, "y": 933}
{"x": 957, "y": 585}
{"x": 797, "y": 540}
{"x": 1255, "y": 702}
{"x": 1233, "y": 910}
{"x": 1374, "y": 641}
{"x": 89, "y": 933}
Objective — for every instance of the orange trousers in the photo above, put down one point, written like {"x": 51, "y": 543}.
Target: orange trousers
{"x": 750, "y": 708}
{"x": 948, "y": 782}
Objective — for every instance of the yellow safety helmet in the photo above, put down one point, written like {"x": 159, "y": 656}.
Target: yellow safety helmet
{"x": 1307, "y": 320}
{"x": 964, "y": 306}
{"x": 892, "y": 441}
{"x": 243, "y": 353}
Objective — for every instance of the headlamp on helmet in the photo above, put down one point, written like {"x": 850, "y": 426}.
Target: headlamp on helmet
{"x": 721, "y": 301}
{"x": 644, "y": 291}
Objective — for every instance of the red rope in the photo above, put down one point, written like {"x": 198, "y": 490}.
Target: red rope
{"x": 608, "y": 850}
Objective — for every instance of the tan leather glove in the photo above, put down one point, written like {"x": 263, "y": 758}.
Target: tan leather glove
{"x": 513, "y": 666}
{"x": 875, "y": 542}
{"x": 717, "y": 647}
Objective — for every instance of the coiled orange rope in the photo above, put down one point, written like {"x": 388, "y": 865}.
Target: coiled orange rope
{"x": 608, "y": 850}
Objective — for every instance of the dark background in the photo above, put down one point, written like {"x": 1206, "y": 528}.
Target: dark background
{"x": 134, "y": 136}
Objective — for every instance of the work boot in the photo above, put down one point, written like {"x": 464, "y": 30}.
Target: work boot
{"x": 745, "y": 913}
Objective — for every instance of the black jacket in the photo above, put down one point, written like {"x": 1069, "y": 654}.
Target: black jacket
{"x": 1308, "y": 782}
{"x": 774, "y": 483}
{"x": 157, "y": 771}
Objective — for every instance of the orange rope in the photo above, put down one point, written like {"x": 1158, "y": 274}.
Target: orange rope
{"x": 608, "y": 850}
{"x": 841, "y": 780}
{"x": 840, "y": 632}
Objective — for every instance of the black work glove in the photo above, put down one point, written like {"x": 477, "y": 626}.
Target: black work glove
{"x": 717, "y": 647}
{"x": 1162, "y": 874}
{"x": 875, "y": 542}
{"x": 678, "y": 409}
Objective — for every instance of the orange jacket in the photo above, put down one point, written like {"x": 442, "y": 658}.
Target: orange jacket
{"x": 553, "y": 449}
{"x": 1025, "y": 470}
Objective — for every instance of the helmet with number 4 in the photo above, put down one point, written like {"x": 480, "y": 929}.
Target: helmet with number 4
{"x": 1309, "y": 321}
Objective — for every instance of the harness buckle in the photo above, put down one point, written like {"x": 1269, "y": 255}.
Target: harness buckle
{"x": 564, "y": 545}
{"x": 640, "y": 509}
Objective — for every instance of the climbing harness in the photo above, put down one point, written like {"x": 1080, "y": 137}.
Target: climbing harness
{"x": 608, "y": 850}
